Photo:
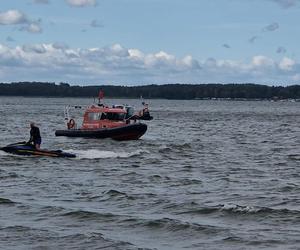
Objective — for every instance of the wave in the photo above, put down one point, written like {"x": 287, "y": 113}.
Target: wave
{"x": 38, "y": 238}
{"x": 103, "y": 154}
{"x": 232, "y": 208}
{"x": 173, "y": 225}
{"x": 113, "y": 192}
{"x": 17, "y": 228}
{"x": 242, "y": 209}
{"x": 174, "y": 147}
{"x": 6, "y": 201}
{"x": 295, "y": 157}
{"x": 164, "y": 224}
{"x": 89, "y": 240}
{"x": 87, "y": 215}
{"x": 238, "y": 209}
{"x": 9, "y": 175}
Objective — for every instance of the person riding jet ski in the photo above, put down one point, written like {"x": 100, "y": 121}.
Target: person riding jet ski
{"x": 35, "y": 136}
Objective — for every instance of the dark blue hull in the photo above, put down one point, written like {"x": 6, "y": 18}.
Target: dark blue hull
{"x": 23, "y": 148}
{"x": 128, "y": 132}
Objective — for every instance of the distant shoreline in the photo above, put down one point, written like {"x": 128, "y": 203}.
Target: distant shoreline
{"x": 136, "y": 98}
{"x": 230, "y": 92}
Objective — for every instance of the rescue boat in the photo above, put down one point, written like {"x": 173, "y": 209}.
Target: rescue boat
{"x": 100, "y": 121}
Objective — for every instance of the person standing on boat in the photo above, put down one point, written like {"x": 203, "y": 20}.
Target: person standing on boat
{"x": 35, "y": 136}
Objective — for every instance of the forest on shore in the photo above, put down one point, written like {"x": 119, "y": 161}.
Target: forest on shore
{"x": 246, "y": 91}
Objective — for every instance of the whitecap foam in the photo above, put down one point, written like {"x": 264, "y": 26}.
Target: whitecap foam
{"x": 102, "y": 154}
{"x": 241, "y": 209}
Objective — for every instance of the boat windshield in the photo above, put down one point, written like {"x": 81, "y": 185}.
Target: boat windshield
{"x": 113, "y": 116}
{"x": 94, "y": 116}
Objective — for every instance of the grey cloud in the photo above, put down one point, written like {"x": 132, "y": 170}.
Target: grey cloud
{"x": 281, "y": 50}
{"x": 96, "y": 24}
{"x": 59, "y": 45}
{"x": 271, "y": 27}
{"x": 36, "y": 48}
{"x": 211, "y": 62}
{"x": 253, "y": 39}
{"x": 41, "y": 1}
{"x": 286, "y": 3}
{"x": 226, "y": 46}
{"x": 10, "y": 39}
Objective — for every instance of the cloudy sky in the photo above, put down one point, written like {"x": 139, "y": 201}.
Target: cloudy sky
{"x": 150, "y": 41}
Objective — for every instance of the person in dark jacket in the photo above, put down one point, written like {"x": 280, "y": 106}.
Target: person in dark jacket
{"x": 35, "y": 136}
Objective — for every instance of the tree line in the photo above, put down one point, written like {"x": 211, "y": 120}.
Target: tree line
{"x": 165, "y": 91}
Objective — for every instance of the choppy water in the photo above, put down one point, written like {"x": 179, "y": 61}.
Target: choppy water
{"x": 206, "y": 175}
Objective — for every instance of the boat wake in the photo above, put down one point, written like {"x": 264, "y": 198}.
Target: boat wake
{"x": 2, "y": 153}
{"x": 102, "y": 154}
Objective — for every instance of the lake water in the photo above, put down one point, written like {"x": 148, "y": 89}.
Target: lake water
{"x": 206, "y": 175}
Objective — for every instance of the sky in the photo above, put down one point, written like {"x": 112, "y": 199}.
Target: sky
{"x": 136, "y": 42}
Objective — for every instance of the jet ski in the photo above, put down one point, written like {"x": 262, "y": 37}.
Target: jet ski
{"x": 24, "y": 148}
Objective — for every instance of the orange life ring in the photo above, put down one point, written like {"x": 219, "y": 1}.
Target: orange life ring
{"x": 71, "y": 124}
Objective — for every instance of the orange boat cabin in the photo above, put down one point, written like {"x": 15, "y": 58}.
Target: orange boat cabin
{"x": 96, "y": 117}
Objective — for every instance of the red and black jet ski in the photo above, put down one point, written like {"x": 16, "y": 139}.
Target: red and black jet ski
{"x": 24, "y": 148}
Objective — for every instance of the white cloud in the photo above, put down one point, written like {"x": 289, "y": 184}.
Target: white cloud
{"x": 262, "y": 61}
{"x": 117, "y": 64}
{"x": 34, "y": 28}
{"x": 296, "y": 77}
{"x": 190, "y": 63}
{"x": 11, "y": 17}
{"x": 82, "y": 3}
{"x": 287, "y": 64}
{"x": 135, "y": 53}
{"x": 16, "y": 17}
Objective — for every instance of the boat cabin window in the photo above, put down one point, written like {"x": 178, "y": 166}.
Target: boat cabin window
{"x": 130, "y": 111}
{"x": 109, "y": 116}
{"x": 115, "y": 116}
{"x": 94, "y": 116}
